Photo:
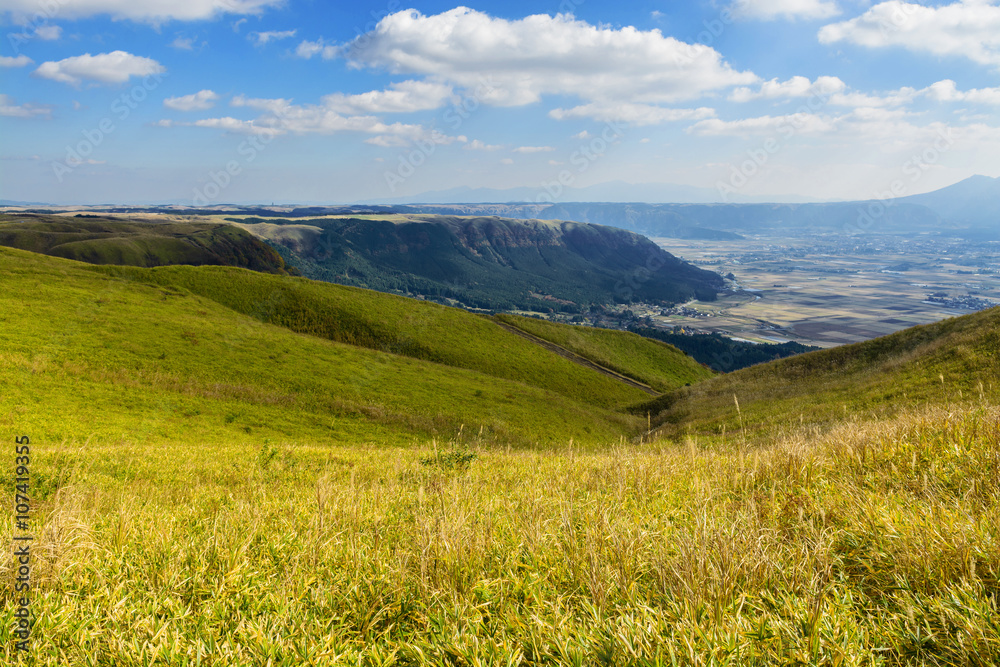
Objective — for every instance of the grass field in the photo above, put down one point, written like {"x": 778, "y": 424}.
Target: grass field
{"x": 659, "y": 365}
{"x": 953, "y": 359}
{"x": 85, "y": 350}
{"x": 875, "y": 544}
{"x": 211, "y": 487}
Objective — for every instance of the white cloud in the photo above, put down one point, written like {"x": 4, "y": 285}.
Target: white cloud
{"x": 10, "y": 108}
{"x": 633, "y": 114}
{"x": 282, "y": 116}
{"x": 321, "y": 48}
{"x": 402, "y": 97}
{"x": 799, "y": 123}
{"x": 149, "y": 11}
{"x": 48, "y": 32}
{"x": 110, "y": 68}
{"x": 234, "y": 125}
{"x": 506, "y": 160}
{"x": 534, "y": 149}
{"x": 851, "y": 128}
{"x": 19, "y": 61}
{"x": 947, "y": 91}
{"x": 825, "y": 90}
{"x": 768, "y": 10}
{"x": 203, "y": 99}
{"x": 262, "y": 38}
{"x": 968, "y": 29}
{"x": 183, "y": 43}
{"x": 477, "y": 145}
{"x": 583, "y": 134}
{"x": 516, "y": 62}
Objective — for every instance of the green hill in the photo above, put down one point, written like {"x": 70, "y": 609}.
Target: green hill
{"x": 216, "y": 479}
{"x": 951, "y": 360}
{"x": 659, "y": 365}
{"x": 488, "y": 262}
{"x": 112, "y": 241}
{"x": 220, "y": 352}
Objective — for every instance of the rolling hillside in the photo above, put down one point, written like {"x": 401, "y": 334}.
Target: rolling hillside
{"x": 215, "y": 477}
{"x": 287, "y": 356}
{"x": 952, "y": 360}
{"x": 658, "y": 365}
{"x": 90, "y": 238}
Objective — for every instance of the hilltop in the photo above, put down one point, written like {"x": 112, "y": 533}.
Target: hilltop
{"x": 102, "y": 240}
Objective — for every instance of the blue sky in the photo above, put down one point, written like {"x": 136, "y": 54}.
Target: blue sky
{"x": 253, "y": 101}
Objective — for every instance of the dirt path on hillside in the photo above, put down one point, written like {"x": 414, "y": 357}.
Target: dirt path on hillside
{"x": 577, "y": 359}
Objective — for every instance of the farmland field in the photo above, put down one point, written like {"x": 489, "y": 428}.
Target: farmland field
{"x": 831, "y": 290}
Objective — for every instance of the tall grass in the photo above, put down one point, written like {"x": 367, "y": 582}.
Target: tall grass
{"x": 873, "y": 543}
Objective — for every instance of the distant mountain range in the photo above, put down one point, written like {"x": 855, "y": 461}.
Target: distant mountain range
{"x": 969, "y": 208}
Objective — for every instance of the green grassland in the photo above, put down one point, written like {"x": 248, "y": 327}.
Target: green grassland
{"x": 385, "y": 322}
{"x": 89, "y": 337}
{"x": 949, "y": 360}
{"x": 213, "y": 487}
{"x": 659, "y": 365}
{"x": 112, "y": 241}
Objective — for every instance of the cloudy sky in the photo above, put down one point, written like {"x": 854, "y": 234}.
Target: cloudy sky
{"x": 215, "y": 101}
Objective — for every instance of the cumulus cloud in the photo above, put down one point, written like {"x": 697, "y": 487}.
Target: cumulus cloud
{"x": 825, "y": 89}
{"x": 477, "y": 145}
{"x": 633, "y": 114}
{"x": 48, "y": 32}
{"x": 19, "y": 61}
{"x": 109, "y": 68}
{"x": 516, "y": 62}
{"x": 320, "y": 47}
{"x": 262, "y": 38}
{"x": 967, "y": 29}
{"x": 183, "y": 43}
{"x": 769, "y": 10}
{"x": 147, "y": 11}
{"x": 947, "y": 91}
{"x": 856, "y": 125}
{"x": 9, "y": 107}
{"x": 282, "y": 116}
{"x": 401, "y": 97}
{"x": 200, "y": 101}
{"x": 534, "y": 149}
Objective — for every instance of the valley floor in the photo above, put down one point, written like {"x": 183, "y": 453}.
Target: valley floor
{"x": 833, "y": 289}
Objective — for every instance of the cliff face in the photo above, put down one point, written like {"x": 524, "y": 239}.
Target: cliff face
{"x": 498, "y": 263}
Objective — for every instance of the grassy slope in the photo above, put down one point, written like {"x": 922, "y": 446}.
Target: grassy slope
{"x": 167, "y": 534}
{"x": 391, "y": 323}
{"x": 114, "y": 241}
{"x": 948, "y": 360}
{"x": 659, "y": 365}
{"x": 84, "y": 353}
